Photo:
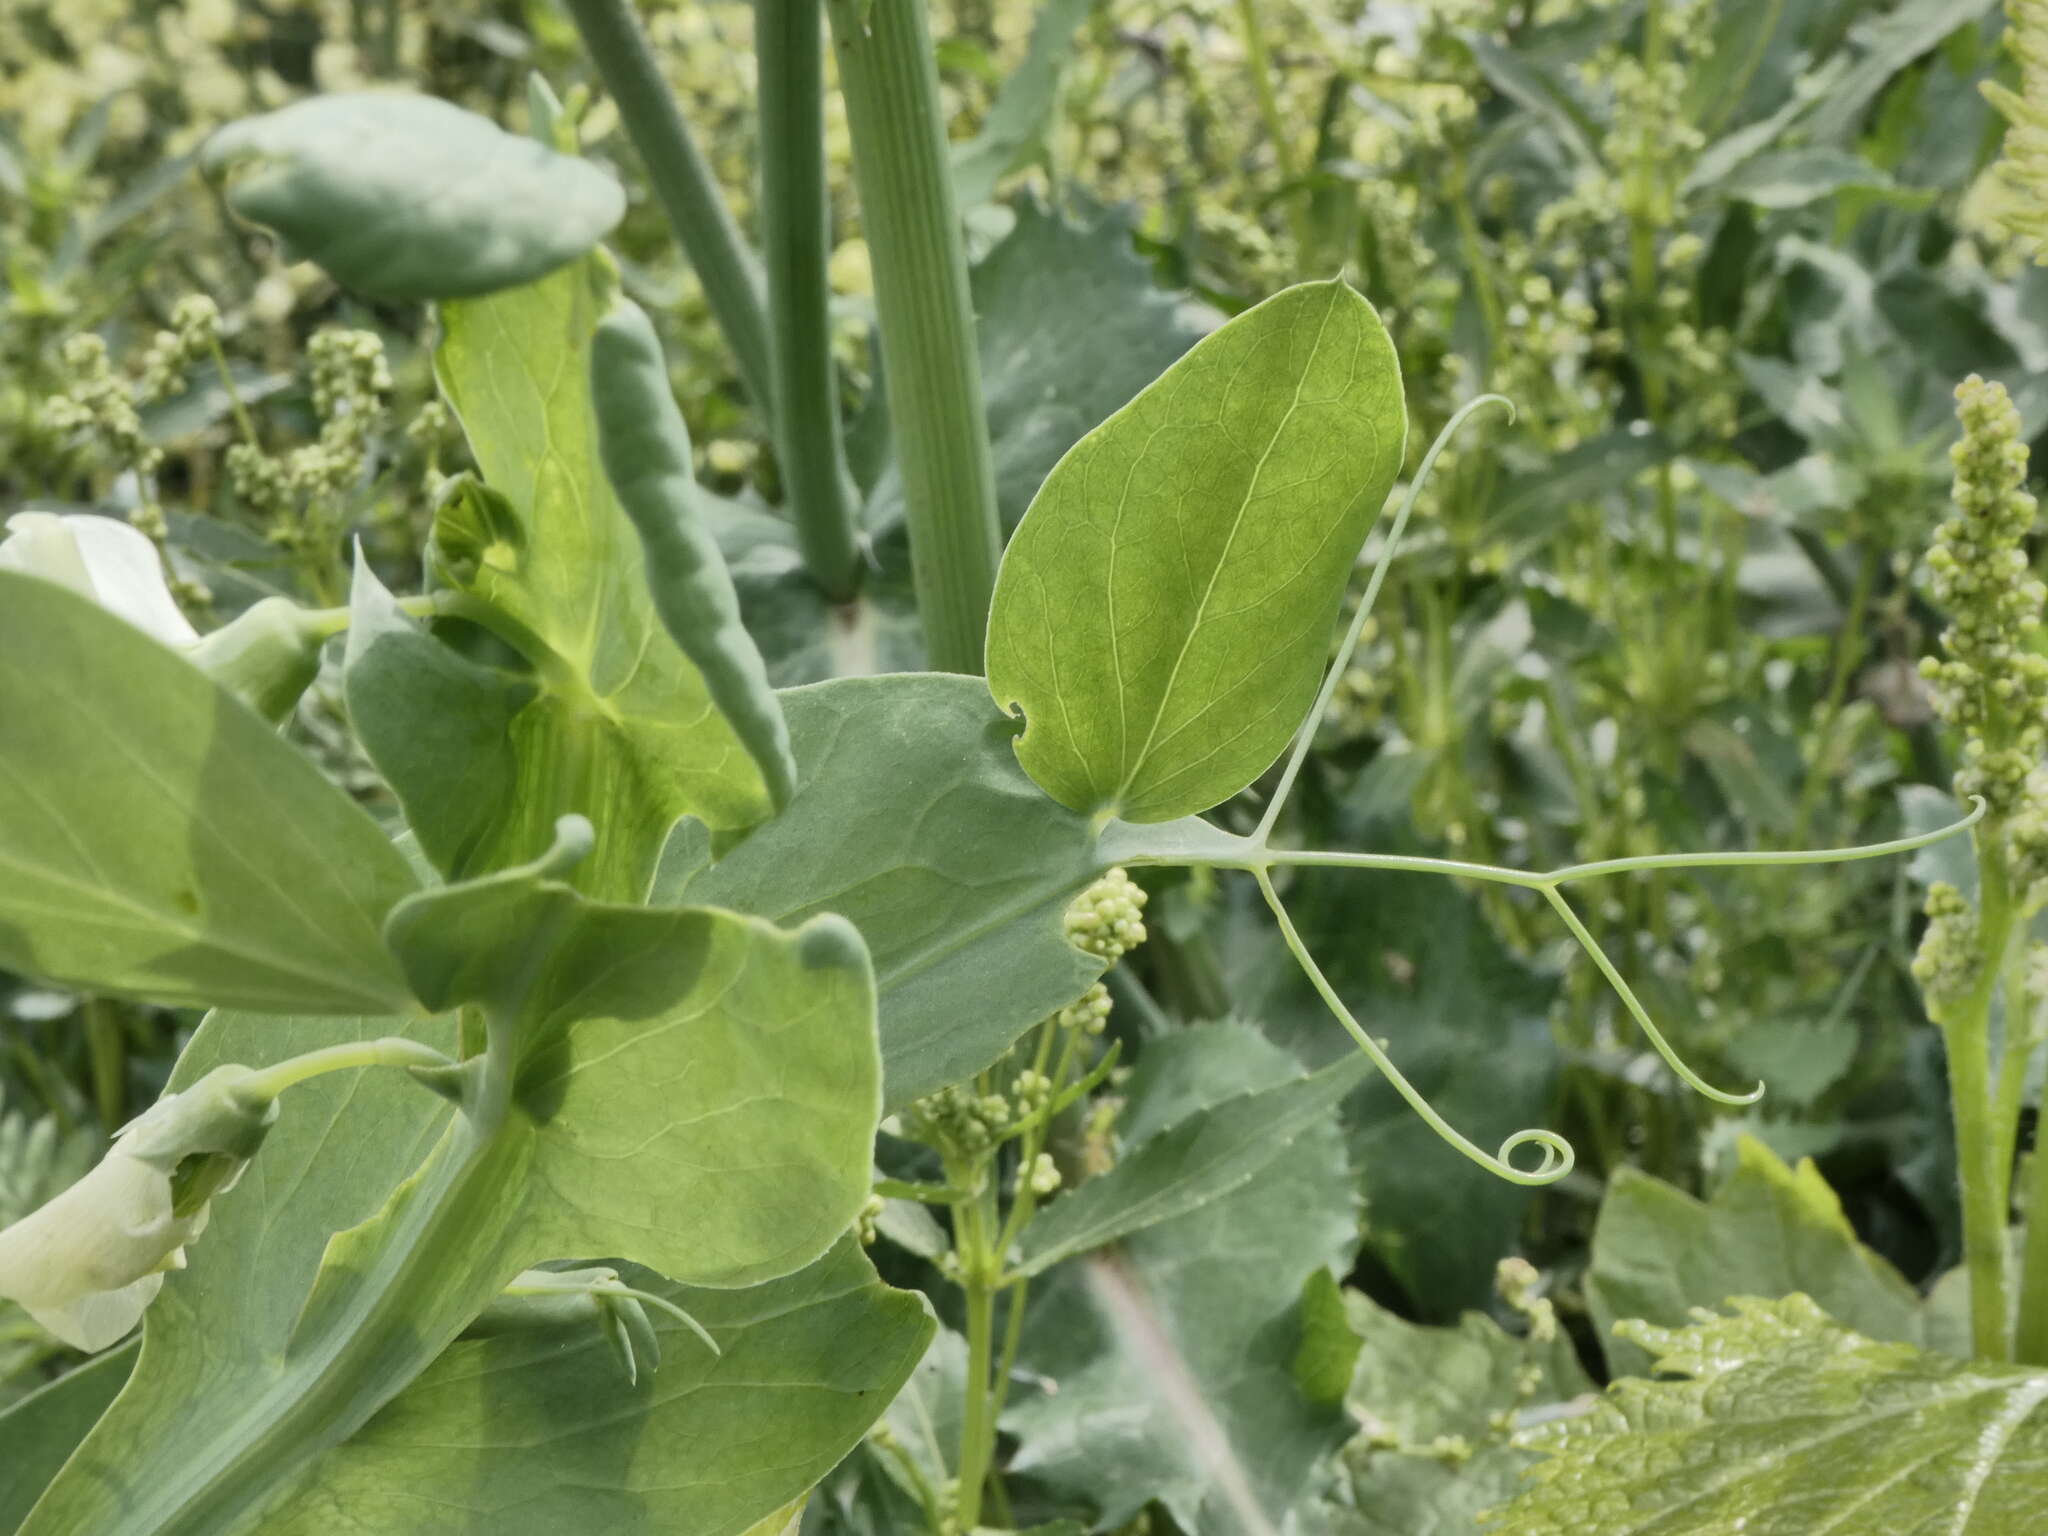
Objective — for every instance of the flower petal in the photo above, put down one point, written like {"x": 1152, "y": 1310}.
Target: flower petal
{"x": 104, "y": 559}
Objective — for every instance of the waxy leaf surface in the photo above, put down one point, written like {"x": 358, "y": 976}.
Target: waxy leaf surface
{"x": 157, "y": 839}
{"x": 1791, "y": 1425}
{"x": 411, "y": 197}
{"x": 913, "y": 821}
{"x": 43, "y": 1429}
{"x": 1416, "y": 1385}
{"x": 703, "y": 1087}
{"x": 1163, "y": 614}
{"x": 623, "y": 728}
{"x": 1203, "y": 1157}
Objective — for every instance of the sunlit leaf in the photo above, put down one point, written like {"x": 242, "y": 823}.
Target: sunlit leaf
{"x": 1769, "y": 1230}
{"x": 1163, "y": 613}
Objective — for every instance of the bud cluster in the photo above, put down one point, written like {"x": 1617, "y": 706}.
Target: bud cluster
{"x": 959, "y": 1118}
{"x": 194, "y": 333}
{"x": 1949, "y": 959}
{"x": 351, "y": 382}
{"x": 1107, "y": 919}
{"x": 2023, "y": 169}
{"x": 1089, "y": 1014}
{"x": 1992, "y": 685}
{"x": 95, "y": 400}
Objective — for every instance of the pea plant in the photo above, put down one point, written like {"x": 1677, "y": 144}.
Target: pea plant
{"x": 525, "y": 1168}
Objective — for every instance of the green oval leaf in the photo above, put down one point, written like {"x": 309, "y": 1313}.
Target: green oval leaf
{"x": 1164, "y": 612}
{"x": 407, "y": 197}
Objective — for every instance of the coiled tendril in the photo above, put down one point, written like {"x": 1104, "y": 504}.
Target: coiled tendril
{"x": 1259, "y": 858}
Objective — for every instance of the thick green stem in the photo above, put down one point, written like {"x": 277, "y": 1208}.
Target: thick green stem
{"x": 901, "y": 163}
{"x": 2017, "y": 1002}
{"x": 682, "y": 179}
{"x": 795, "y": 233}
{"x": 1985, "y": 1181}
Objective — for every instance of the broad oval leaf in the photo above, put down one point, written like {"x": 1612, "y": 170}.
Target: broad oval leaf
{"x": 157, "y": 839}
{"x": 409, "y": 197}
{"x": 1163, "y": 614}
{"x": 218, "y": 1333}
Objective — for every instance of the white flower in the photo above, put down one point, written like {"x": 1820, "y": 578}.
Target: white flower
{"x": 88, "y": 1264}
{"x": 102, "y": 559}
{"x": 267, "y": 657}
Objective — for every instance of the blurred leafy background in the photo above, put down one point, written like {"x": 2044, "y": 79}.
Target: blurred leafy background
{"x": 1728, "y": 258}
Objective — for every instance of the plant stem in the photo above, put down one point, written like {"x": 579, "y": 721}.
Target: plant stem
{"x": 789, "y": 50}
{"x": 900, "y": 160}
{"x": 391, "y": 1051}
{"x": 682, "y": 179}
{"x": 977, "y": 1426}
{"x": 1848, "y": 651}
{"x": 2017, "y": 1053}
{"x": 1985, "y": 1183}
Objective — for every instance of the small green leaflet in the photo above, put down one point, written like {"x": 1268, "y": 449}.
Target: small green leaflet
{"x": 410, "y": 197}
{"x": 1792, "y": 1425}
{"x": 1163, "y": 614}
{"x": 157, "y": 839}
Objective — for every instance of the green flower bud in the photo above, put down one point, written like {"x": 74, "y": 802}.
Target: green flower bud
{"x": 267, "y": 657}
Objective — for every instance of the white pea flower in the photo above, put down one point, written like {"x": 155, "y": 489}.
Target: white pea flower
{"x": 102, "y": 559}
{"x": 88, "y": 1264}
{"x": 267, "y": 657}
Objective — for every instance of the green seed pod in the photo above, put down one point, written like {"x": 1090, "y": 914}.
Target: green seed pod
{"x": 646, "y": 453}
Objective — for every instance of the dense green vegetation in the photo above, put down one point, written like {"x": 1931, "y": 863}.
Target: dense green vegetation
{"x": 1215, "y": 768}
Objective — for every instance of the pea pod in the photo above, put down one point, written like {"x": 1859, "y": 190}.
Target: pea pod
{"x": 646, "y": 453}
